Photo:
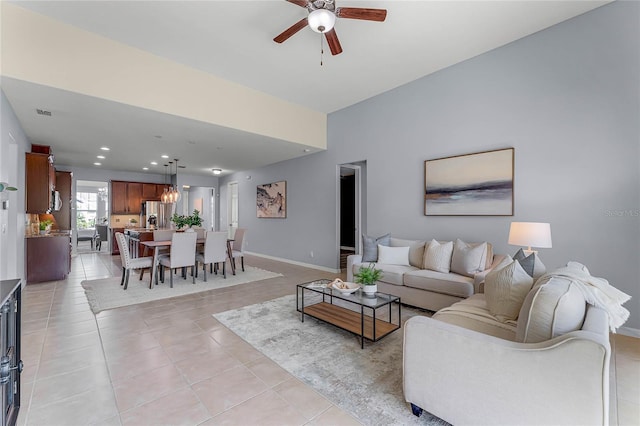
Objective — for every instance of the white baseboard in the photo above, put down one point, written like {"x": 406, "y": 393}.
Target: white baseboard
{"x": 295, "y": 262}
{"x": 628, "y": 331}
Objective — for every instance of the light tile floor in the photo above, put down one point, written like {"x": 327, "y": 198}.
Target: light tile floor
{"x": 171, "y": 362}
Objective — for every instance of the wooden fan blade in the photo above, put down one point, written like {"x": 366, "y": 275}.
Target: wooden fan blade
{"x": 301, "y": 3}
{"x": 333, "y": 42}
{"x": 378, "y": 15}
{"x": 291, "y": 30}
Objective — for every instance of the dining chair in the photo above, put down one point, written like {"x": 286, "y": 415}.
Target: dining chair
{"x": 181, "y": 255}
{"x": 215, "y": 252}
{"x": 201, "y": 232}
{"x": 237, "y": 247}
{"x": 163, "y": 235}
{"x": 129, "y": 263}
{"x": 102, "y": 232}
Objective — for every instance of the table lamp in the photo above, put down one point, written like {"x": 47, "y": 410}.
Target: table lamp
{"x": 530, "y": 234}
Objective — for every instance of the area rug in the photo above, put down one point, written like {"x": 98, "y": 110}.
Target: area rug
{"x": 106, "y": 293}
{"x": 364, "y": 382}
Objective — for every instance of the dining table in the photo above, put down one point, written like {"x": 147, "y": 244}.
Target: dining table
{"x": 157, "y": 245}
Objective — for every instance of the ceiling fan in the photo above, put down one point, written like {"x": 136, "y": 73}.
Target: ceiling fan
{"x": 322, "y": 16}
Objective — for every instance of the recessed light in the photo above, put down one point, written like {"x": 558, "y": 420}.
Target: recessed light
{"x": 104, "y": 148}
{"x": 102, "y": 157}
{"x": 154, "y": 163}
{"x": 306, "y": 150}
{"x": 164, "y": 156}
{"x": 145, "y": 168}
{"x": 97, "y": 164}
{"x": 216, "y": 171}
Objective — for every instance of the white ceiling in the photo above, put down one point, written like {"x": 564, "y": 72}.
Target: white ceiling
{"x": 233, "y": 40}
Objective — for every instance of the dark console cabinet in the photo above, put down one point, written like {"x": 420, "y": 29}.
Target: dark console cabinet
{"x": 10, "y": 363}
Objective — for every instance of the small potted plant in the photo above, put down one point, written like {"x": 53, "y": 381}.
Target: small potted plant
{"x": 4, "y": 196}
{"x": 45, "y": 226}
{"x": 368, "y": 276}
{"x": 188, "y": 221}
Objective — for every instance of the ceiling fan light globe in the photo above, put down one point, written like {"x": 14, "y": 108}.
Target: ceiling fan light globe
{"x": 321, "y": 20}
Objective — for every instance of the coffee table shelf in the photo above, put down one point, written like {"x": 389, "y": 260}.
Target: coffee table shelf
{"x": 370, "y": 327}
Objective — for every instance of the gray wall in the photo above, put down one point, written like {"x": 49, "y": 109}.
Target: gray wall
{"x": 567, "y": 99}
{"x": 13, "y": 145}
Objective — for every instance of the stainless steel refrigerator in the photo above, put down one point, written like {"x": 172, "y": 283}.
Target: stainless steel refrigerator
{"x": 158, "y": 212}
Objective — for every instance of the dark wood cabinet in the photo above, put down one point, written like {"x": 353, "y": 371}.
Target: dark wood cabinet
{"x": 118, "y": 197}
{"x": 126, "y": 197}
{"x": 63, "y": 186}
{"x": 150, "y": 192}
{"x": 48, "y": 258}
{"x": 134, "y": 198}
{"x": 114, "y": 244}
{"x": 10, "y": 362}
{"x": 159, "y": 191}
{"x": 40, "y": 182}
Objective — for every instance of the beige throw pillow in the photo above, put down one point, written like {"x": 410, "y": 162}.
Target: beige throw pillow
{"x": 437, "y": 257}
{"x": 505, "y": 290}
{"x": 468, "y": 258}
{"x": 393, "y": 255}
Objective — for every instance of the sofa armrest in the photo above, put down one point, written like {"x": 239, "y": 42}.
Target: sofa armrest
{"x": 478, "y": 279}
{"x": 466, "y": 377}
{"x": 352, "y": 260}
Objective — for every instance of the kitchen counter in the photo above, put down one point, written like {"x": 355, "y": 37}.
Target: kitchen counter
{"x": 50, "y": 234}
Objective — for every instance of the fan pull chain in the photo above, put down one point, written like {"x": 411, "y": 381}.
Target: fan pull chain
{"x": 321, "y": 48}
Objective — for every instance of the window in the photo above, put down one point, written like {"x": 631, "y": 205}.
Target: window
{"x": 87, "y": 209}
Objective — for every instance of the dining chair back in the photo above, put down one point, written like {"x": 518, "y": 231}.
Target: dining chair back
{"x": 163, "y": 234}
{"x": 102, "y": 236}
{"x": 181, "y": 254}
{"x": 215, "y": 252}
{"x": 129, "y": 263}
{"x": 238, "y": 246}
{"x": 201, "y": 232}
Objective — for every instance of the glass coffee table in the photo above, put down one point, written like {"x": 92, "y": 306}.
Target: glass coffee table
{"x": 370, "y": 318}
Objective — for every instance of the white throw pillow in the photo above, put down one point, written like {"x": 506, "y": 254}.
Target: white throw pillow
{"x": 468, "y": 258}
{"x": 393, "y": 255}
{"x": 437, "y": 257}
{"x": 416, "y": 250}
{"x": 505, "y": 290}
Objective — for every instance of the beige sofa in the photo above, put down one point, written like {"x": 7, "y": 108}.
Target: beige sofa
{"x": 551, "y": 366}
{"x": 420, "y": 287}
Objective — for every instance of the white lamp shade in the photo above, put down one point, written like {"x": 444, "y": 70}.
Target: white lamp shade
{"x": 530, "y": 234}
{"x": 321, "y": 20}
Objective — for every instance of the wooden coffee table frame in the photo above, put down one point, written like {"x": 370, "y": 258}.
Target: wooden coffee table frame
{"x": 365, "y": 326}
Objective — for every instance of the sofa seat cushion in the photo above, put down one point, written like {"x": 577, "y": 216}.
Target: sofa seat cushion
{"x": 473, "y": 314}
{"x": 439, "y": 282}
{"x": 391, "y": 274}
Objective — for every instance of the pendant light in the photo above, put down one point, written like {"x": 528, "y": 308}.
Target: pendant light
{"x": 174, "y": 194}
{"x": 164, "y": 198}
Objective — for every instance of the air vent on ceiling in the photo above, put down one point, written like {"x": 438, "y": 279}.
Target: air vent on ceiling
{"x": 43, "y": 112}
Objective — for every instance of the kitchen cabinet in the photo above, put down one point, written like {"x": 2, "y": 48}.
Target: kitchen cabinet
{"x": 150, "y": 192}
{"x": 63, "y": 186}
{"x": 40, "y": 182}
{"x": 48, "y": 257}
{"x": 114, "y": 244}
{"x": 126, "y": 197}
{"x": 10, "y": 346}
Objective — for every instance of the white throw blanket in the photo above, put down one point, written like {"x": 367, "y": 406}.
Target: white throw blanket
{"x": 596, "y": 291}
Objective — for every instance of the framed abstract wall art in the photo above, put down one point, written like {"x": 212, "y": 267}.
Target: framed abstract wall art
{"x": 478, "y": 184}
{"x": 271, "y": 200}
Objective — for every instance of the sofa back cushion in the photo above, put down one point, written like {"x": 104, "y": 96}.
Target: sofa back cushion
{"x": 437, "y": 256}
{"x": 469, "y": 258}
{"x": 553, "y": 307}
{"x": 416, "y": 250}
{"x": 505, "y": 290}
